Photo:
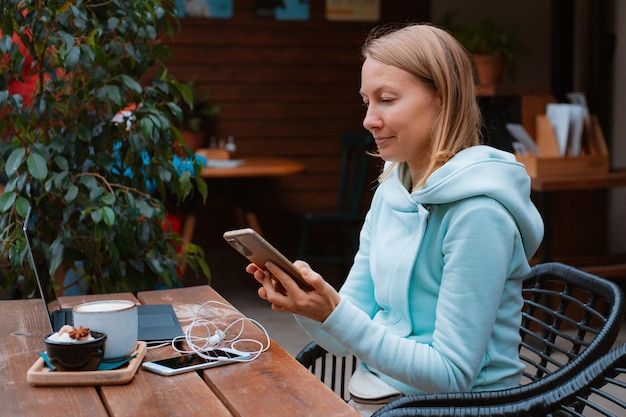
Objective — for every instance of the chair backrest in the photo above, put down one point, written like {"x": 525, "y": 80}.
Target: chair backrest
{"x": 354, "y": 167}
{"x": 570, "y": 318}
{"x": 568, "y": 315}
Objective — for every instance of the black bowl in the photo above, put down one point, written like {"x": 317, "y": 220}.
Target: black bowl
{"x": 76, "y": 356}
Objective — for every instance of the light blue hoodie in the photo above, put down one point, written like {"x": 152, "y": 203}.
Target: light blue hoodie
{"x": 433, "y": 300}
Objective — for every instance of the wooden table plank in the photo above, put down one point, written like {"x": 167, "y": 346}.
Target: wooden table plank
{"x": 153, "y": 395}
{"x": 275, "y": 384}
{"x": 23, "y": 328}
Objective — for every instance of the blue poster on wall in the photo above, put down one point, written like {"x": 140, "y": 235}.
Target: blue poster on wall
{"x": 282, "y": 9}
{"x": 218, "y": 9}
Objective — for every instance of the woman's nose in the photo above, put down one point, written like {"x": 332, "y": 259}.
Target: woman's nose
{"x": 371, "y": 120}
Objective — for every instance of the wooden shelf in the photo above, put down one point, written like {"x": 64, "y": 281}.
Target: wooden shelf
{"x": 590, "y": 181}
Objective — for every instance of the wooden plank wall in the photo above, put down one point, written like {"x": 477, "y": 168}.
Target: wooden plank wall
{"x": 284, "y": 88}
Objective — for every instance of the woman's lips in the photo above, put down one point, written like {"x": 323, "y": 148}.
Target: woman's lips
{"x": 382, "y": 141}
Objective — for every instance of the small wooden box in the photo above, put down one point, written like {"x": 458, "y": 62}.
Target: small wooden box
{"x": 594, "y": 156}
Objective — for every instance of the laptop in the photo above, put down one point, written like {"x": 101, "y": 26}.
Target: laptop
{"x": 157, "y": 323}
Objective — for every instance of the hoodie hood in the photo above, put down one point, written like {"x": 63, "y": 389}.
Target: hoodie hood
{"x": 476, "y": 171}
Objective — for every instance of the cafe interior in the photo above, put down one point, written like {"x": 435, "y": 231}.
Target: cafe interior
{"x": 290, "y": 89}
{"x": 283, "y": 93}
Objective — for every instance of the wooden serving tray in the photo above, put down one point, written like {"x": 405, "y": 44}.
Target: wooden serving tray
{"x": 39, "y": 374}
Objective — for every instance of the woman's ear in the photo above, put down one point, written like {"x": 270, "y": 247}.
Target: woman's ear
{"x": 439, "y": 100}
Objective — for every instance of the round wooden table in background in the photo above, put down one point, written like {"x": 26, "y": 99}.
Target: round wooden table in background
{"x": 242, "y": 168}
{"x": 251, "y": 167}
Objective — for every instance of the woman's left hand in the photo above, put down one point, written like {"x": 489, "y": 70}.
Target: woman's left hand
{"x": 285, "y": 295}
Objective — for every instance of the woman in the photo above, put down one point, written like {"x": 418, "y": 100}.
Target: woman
{"x": 433, "y": 300}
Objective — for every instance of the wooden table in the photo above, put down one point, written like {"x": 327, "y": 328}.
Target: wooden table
{"x": 275, "y": 384}
{"x": 252, "y": 167}
{"x": 255, "y": 167}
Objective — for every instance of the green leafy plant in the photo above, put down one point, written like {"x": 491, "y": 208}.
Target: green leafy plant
{"x": 485, "y": 36}
{"x": 97, "y": 187}
{"x": 200, "y": 113}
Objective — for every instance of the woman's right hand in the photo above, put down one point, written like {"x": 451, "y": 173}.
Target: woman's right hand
{"x": 284, "y": 294}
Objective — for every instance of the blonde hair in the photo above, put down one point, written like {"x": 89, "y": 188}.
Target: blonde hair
{"x": 433, "y": 55}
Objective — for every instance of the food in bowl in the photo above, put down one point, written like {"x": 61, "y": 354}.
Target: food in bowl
{"x": 75, "y": 349}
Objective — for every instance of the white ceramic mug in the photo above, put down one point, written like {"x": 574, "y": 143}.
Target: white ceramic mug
{"x": 117, "y": 319}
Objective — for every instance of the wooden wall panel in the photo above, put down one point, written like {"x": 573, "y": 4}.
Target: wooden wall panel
{"x": 284, "y": 88}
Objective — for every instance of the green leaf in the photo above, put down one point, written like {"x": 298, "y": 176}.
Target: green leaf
{"x": 6, "y": 201}
{"x": 131, "y": 84}
{"x": 109, "y": 216}
{"x": 155, "y": 265}
{"x": 68, "y": 39}
{"x": 15, "y": 159}
{"x": 89, "y": 181}
{"x": 108, "y": 199}
{"x": 146, "y": 209}
{"x": 56, "y": 254}
{"x": 176, "y": 111}
{"x": 71, "y": 194}
{"x": 61, "y": 163}
{"x": 87, "y": 52}
{"x": 96, "y": 215}
{"x": 187, "y": 93}
{"x": 37, "y": 166}
{"x": 95, "y": 193}
{"x": 71, "y": 58}
{"x": 5, "y": 44}
{"x": 202, "y": 188}
{"x": 21, "y": 206}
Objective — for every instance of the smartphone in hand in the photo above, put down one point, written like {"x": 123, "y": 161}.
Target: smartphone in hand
{"x": 258, "y": 251}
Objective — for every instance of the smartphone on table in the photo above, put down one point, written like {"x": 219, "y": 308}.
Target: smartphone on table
{"x": 193, "y": 362}
{"x": 258, "y": 251}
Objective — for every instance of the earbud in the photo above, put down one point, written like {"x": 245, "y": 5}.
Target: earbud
{"x": 216, "y": 338}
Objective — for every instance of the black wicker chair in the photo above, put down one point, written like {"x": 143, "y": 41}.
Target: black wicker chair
{"x": 596, "y": 390}
{"x": 570, "y": 318}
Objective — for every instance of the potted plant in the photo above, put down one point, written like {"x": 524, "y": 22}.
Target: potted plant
{"x": 198, "y": 116}
{"x": 96, "y": 187}
{"x": 493, "y": 47}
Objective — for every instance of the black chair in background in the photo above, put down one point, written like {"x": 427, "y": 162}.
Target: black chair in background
{"x": 570, "y": 318}
{"x": 347, "y": 218}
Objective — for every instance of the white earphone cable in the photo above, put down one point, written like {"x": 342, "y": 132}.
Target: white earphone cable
{"x": 211, "y": 337}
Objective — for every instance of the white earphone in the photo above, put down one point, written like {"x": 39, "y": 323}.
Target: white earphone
{"x": 217, "y": 337}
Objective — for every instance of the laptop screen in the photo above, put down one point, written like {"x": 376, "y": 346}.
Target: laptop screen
{"x": 42, "y": 276}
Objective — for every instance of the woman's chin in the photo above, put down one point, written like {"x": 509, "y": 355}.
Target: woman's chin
{"x": 388, "y": 156}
